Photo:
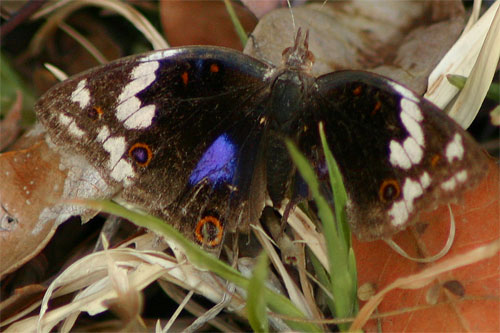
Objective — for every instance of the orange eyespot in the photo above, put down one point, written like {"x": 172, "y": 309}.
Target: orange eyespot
{"x": 95, "y": 113}
{"x": 389, "y": 190}
{"x": 209, "y": 231}
{"x": 185, "y": 78}
{"x": 214, "y": 68}
{"x": 357, "y": 91}
{"x": 141, "y": 154}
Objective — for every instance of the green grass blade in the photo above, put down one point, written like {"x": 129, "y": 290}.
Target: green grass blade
{"x": 201, "y": 259}
{"x": 256, "y": 302}
{"x": 337, "y": 236}
{"x": 459, "y": 82}
{"x": 240, "y": 31}
{"x": 340, "y": 194}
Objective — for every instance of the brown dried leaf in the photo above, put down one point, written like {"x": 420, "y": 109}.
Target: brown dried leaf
{"x": 36, "y": 182}
{"x": 476, "y": 224}
{"x": 395, "y": 39}
{"x": 212, "y": 25}
{"x": 30, "y": 184}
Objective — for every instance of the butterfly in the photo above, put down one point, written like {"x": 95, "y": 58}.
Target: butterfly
{"x": 195, "y": 135}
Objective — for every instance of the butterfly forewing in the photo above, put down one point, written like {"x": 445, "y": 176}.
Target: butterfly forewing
{"x": 398, "y": 153}
{"x": 179, "y": 138}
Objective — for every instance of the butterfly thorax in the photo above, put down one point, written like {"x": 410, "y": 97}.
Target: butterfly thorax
{"x": 288, "y": 98}
{"x": 291, "y": 86}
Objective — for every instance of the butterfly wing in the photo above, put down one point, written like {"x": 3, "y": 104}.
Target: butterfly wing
{"x": 175, "y": 131}
{"x": 398, "y": 153}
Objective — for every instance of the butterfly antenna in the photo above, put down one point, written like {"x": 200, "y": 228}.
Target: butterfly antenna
{"x": 291, "y": 14}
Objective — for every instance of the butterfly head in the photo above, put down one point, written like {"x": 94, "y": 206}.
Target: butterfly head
{"x": 298, "y": 56}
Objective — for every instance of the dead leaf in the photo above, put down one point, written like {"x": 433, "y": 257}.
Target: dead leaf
{"x": 29, "y": 186}
{"x": 211, "y": 27}
{"x": 393, "y": 39}
{"x": 476, "y": 224}
{"x": 24, "y": 300}
{"x": 35, "y": 183}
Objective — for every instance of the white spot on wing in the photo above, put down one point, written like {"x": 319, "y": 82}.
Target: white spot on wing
{"x": 103, "y": 134}
{"x": 455, "y": 149}
{"x": 81, "y": 94}
{"x": 413, "y": 127}
{"x": 410, "y": 152}
{"x": 75, "y": 130}
{"x": 413, "y": 150}
{"x": 116, "y": 147}
{"x": 403, "y": 91}
{"x": 399, "y": 213}
{"x": 142, "y": 118}
{"x": 411, "y": 108}
{"x": 411, "y": 191}
{"x": 129, "y": 108}
{"x": 451, "y": 183}
{"x": 425, "y": 180}
{"x": 461, "y": 176}
{"x": 141, "y": 77}
{"x": 122, "y": 171}
{"x": 400, "y": 210}
{"x": 398, "y": 156}
{"x": 64, "y": 119}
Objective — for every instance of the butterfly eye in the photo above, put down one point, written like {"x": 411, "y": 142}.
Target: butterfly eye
{"x": 389, "y": 190}
{"x": 95, "y": 113}
{"x": 141, "y": 154}
{"x": 209, "y": 231}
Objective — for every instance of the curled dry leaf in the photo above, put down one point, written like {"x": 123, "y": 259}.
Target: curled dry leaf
{"x": 91, "y": 278}
{"x": 31, "y": 183}
{"x": 35, "y": 183}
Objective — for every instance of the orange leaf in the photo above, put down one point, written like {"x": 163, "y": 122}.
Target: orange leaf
{"x": 440, "y": 306}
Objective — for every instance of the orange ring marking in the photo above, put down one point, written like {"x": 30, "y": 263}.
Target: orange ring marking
{"x": 148, "y": 150}
{"x": 389, "y": 182}
{"x": 199, "y": 234}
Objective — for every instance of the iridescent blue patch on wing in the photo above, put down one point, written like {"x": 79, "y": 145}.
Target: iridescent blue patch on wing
{"x": 218, "y": 163}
